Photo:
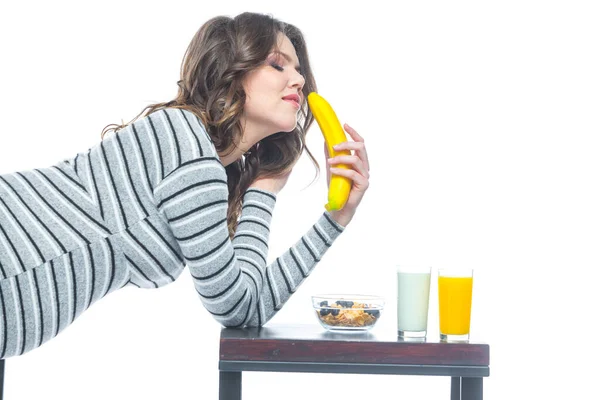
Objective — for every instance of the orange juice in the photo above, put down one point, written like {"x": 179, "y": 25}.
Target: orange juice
{"x": 455, "y": 304}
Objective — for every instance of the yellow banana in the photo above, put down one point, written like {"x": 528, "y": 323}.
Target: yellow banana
{"x": 339, "y": 186}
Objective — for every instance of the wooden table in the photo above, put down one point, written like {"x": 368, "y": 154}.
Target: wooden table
{"x": 310, "y": 348}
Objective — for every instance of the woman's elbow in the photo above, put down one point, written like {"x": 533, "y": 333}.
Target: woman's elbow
{"x": 243, "y": 319}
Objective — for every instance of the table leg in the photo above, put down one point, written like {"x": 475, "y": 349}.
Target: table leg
{"x": 230, "y": 385}
{"x": 1, "y": 379}
{"x": 455, "y": 388}
{"x": 471, "y": 388}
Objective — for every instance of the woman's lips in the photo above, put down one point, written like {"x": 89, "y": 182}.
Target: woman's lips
{"x": 295, "y": 103}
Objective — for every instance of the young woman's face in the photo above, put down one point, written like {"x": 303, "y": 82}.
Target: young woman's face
{"x": 274, "y": 92}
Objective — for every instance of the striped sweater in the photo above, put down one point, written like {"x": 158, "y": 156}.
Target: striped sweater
{"x": 134, "y": 210}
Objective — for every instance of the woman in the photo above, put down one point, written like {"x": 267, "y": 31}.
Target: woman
{"x": 194, "y": 182}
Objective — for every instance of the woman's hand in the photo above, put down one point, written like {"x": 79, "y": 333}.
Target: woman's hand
{"x": 358, "y": 172}
{"x": 272, "y": 184}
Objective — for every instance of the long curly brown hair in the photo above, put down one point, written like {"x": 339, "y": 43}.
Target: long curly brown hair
{"x": 222, "y": 52}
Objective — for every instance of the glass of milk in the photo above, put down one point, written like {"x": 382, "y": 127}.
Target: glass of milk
{"x": 413, "y": 300}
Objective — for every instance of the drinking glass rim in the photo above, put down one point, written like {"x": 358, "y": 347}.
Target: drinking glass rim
{"x": 456, "y": 271}
{"x": 413, "y": 268}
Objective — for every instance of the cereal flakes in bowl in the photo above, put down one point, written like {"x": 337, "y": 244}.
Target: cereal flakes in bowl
{"x": 348, "y": 312}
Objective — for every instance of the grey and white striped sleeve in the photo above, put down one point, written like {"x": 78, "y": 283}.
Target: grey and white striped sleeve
{"x": 289, "y": 270}
{"x": 231, "y": 276}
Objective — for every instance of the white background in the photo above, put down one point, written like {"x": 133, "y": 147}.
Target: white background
{"x": 482, "y": 125}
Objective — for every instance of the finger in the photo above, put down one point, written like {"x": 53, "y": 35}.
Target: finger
{"x": 354, "y": 161}
{"x": 353, "y": 134}
{"x": 357, "y": 146}
{"x": 361, "y": 152}
{"x": 361, "y": 182}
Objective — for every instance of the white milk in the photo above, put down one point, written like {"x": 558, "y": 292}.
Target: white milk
{"x": 413, "y": 300}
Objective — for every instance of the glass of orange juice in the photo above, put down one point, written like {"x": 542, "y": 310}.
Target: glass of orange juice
{"x": 455, "y": 290}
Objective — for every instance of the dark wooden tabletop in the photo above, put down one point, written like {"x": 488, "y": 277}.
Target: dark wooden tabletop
{"x": 312, "y": 343}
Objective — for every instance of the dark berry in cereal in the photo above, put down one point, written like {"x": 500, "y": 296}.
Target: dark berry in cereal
{"x": 334, "y": 311}
{"x": 324, "y": 311}
{"x": 323, "y": 303}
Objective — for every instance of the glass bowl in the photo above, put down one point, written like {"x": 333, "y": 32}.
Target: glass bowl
{"x": 348, "y": 312}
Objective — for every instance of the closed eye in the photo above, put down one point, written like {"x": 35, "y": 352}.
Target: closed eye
{"x": 277, "y": 67}
{"x": 288, "y": 59}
